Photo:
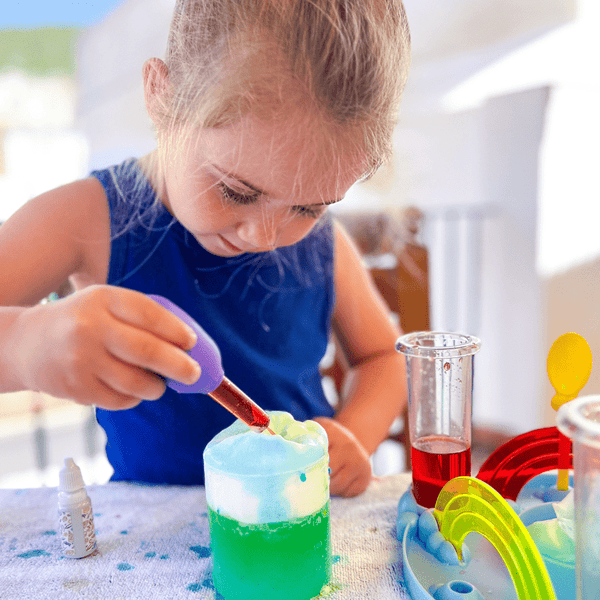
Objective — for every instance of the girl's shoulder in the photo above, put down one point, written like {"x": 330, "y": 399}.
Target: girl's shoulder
{"x": 82, "y": 216}
{"x": 130, "y": 196}
{"x": 95, "y": 230}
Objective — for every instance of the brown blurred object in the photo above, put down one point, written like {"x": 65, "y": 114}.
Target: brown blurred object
{"x": 398, "y": 264}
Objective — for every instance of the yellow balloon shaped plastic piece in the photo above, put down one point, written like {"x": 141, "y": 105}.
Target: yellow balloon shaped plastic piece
{"x": 569, "y": 366}
{"x": 466, "y": 504}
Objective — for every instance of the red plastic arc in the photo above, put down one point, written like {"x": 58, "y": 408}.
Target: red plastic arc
{"x": 513, "y": 464}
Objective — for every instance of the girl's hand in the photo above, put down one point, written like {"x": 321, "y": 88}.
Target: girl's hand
{"x": 348, "y": 460}
{"x": 104, "y": 345}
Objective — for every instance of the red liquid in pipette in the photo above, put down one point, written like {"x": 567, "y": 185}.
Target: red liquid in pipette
{"x": 229, "y": 396}
{"x": 435, "y": 461}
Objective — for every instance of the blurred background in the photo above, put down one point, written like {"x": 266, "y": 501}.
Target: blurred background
{"x": 497, "y": 146}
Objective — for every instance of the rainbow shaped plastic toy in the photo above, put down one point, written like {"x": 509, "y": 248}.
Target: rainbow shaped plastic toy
{"x": 474, "y": 545}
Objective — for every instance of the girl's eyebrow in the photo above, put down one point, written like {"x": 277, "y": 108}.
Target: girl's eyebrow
{"x": 260, "y": 192}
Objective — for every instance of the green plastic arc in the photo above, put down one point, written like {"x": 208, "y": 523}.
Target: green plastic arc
{"x": 467, "y": 505}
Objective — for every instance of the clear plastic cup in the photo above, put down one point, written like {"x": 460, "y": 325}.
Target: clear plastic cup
{"x": 268, "y": 510}
{"x": 439, "y": 367}
{"x": 579, "y": 419}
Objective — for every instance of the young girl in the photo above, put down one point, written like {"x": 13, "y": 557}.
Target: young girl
{"x": 265, "y": 112}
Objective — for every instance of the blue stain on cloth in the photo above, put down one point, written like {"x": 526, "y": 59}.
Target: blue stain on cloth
{"x": 207, "y": 584}
{"x": 161, "y": 555}
{"x": 33, "y": 554}
{"x": 201, "y": 551}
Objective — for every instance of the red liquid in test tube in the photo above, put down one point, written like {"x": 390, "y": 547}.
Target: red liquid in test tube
{"x": 435, "y": 461}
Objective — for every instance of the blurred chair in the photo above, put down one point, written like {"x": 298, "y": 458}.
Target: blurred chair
{"x": 398, "y": 263}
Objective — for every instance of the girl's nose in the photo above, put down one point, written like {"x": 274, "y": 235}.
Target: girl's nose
{"x": 262, "y": 233}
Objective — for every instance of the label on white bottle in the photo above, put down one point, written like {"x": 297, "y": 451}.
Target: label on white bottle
{"x": 78, "y": 537}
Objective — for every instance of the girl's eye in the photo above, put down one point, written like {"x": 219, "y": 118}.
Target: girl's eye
{"x": 237, "y": 197}
{"x": 311, "y": 212}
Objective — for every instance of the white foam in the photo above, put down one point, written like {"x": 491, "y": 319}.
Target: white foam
{"x": 261, "y": 478}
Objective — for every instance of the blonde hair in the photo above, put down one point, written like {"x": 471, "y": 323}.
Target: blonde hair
{"x": 345, "y": 60}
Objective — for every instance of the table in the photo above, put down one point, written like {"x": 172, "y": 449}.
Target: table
{"x": 153, "y": 542}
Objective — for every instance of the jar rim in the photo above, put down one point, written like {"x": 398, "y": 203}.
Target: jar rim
{"x": 438, "y": 344}
{"x": 579, "y": 419}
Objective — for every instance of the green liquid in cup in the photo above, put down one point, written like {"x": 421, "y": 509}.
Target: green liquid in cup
{"x": 294, "y": 557}
{"x": 268, "y": 510}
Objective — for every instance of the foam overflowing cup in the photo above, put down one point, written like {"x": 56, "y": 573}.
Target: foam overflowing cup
{"x": 268, "y": 509}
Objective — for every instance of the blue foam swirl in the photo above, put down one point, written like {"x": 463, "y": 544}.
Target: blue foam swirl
{"x": 241, "y": 451}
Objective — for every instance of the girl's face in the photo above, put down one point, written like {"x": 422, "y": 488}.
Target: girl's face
{"x": 254, "y": 186}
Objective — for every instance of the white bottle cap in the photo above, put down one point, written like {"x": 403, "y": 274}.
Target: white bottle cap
{"x": 70, "y": 479}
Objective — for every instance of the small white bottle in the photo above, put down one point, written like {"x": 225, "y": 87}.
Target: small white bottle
{"x": 75, "y": 516}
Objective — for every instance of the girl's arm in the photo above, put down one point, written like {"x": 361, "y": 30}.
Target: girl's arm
{"x": 41, "y": 245}
{"x": 376, "y": 392}
{"x": 102, "y": 345}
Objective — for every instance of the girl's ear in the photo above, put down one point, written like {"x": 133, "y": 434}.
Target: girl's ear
{"x": 156, "y": 88}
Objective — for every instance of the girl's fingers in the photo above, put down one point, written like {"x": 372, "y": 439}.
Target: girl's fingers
{"x": 345, "y": 481}
{"x": 108, "y": 398}
{"x": 138, "y": 347}
{"x": 336, "y": 480}
{"x": 357, "y": 486}
{"x": 94, "y": 390}
{"x": 131, "y": 381}
{"x": 142, "y": 312}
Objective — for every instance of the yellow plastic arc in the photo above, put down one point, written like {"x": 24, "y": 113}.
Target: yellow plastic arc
{"x": 467, "y": 505}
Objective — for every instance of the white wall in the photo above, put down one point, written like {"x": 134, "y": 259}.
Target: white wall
{"x": 40, "y": 147}
{"x": 570, "y": 213}
{"x": 512, "y": 320}
{"x": 111, "y": 56}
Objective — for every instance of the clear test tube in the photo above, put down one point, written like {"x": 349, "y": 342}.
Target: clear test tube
{"x": 439, "y": 367}
{"x": 579, "y": 419}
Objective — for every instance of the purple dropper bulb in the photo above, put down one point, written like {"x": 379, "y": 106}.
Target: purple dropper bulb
{"x": 212, "y": 380}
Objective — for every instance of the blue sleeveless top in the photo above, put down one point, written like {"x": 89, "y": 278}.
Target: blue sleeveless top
{"x": 269, "y": 313}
